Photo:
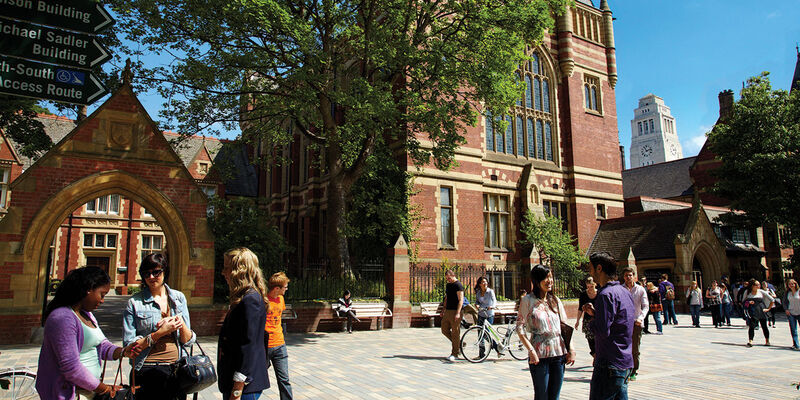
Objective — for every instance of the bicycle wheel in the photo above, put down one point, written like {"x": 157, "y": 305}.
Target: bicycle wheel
{"x": 475, "y": 344}
{"x": 17, "y": 385}
{"x": 516, "y": 348}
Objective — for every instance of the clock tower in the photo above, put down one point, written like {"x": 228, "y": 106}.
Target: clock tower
{"x": 654, "y": 138}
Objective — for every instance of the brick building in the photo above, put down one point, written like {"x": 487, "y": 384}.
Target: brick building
{"x": 559, "y": 156}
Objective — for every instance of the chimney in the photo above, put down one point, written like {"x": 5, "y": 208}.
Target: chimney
{"x": 725, "y": 104}
{"x": 622, "y": 156}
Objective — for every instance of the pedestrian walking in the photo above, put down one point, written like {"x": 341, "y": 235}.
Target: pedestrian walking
{"x": 667, "y": 291}
{"x": 540, "y": 315}
{"x": 726, "y": 308}
{"x": 586, "y": 297}
{"x": 757, "y": 304}
{"x": 157, "y": 320}
{"x": 486, "y": 300}
{"x": 346, "y": 310}
{"x": 713, "y": 301}
{"x": 73, "y": 345}
{"x": 614, "y": 312}
{"x": 654, "y": 299}
{"x": 451, "y": 318}
{"x": 694, "y": 298}
{"x": 242, "y": 357}
{"x": 767, "y": 287}
{"x": 791, "y": 302}
{"x": 641, "y": 307}
{"x": 277, "y": 353}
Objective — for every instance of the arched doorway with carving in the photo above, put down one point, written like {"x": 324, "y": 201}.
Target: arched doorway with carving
{"x": 117, "y": 150}
{"x": 705, "y": 265}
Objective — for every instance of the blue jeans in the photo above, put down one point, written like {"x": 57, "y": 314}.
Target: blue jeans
{"x": 279, "y": 358}
{"x": 657, "y": 317}
{"x": 547, "y": 376}
{"x": 245, "y": 396}
{"x": 793, "y": 321}
{"x": 695, "y": 310}
{"x": 609, "y": 383}
{"x": 727, "y": 311}
{"x": 669, "y": 312}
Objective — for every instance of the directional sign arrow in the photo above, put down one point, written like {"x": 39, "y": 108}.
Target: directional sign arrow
{"x": 43, "y": 81}
{"x": 79, "y": 15}
{"x": 23, "y": 39}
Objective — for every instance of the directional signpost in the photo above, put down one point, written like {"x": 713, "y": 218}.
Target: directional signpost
{"x": 48, "y": 48}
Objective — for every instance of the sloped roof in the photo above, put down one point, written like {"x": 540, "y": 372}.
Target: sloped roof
{"x": 238, "y": 173}
{"x": 796, "y": 77}
{"x": 663, "y": 180}
{"x": 55, "y": 126}
{"x": 187, "y": 147}
{"x": 587, "y": 2}
{"x": 651, "y": 235}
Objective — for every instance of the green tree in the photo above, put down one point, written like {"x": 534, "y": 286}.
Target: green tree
{"x": 554, "y": 246}
{"x": 759, "y": 146}
{"x": 239, "y": 222}
{"x": 349, "y": 75}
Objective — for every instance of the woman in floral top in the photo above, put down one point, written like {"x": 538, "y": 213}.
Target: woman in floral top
{"x": 540, "y": 315}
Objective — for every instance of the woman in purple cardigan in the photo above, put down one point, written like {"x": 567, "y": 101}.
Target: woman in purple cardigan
{"x": 73, "y": 345}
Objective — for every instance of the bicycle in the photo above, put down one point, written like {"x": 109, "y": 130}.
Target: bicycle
{"x": 18, "y": 384}
{"x": 477, "y": 341}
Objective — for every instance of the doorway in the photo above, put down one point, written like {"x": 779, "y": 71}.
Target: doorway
{"x": 99, "y": 262}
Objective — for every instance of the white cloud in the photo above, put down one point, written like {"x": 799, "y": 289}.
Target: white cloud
{"x": 693, "y": 145}
{"x": 774, "y": 14}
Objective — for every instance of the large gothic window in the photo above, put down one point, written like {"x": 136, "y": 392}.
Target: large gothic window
{"x": 530, "y": 130}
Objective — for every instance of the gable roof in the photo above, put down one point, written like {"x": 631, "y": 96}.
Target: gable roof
{"x": 651, "y": 235}
{"x": 56, "y": 127}
{"x": 188, "y": 147}
{"x": 663, "y": 180}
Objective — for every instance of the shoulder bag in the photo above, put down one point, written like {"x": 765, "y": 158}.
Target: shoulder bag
{"x": 128, "y": 392}
{"x": 194, "y": 373}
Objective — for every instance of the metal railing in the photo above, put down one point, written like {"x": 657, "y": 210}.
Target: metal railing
{"x": 314, "y": 280}
{"x": 427, "y": 282}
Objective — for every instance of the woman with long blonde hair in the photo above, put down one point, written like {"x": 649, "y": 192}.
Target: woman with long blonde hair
{"x": 242, "y": 357}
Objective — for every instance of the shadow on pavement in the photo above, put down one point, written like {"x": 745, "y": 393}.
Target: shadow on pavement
{"x": 412, "y": 357}
{"x": 731, "y": 344}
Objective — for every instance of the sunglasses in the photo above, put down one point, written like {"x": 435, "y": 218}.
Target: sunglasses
{"x": 155, "y": 273}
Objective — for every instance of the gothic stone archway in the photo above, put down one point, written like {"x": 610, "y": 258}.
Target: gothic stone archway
{"x": 117, "y": 149}
{"x": 698, "y": 243}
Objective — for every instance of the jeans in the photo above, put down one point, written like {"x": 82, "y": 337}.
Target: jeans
{"x": 727, "y": 311}
{"x": 695, "y": 310}
{"x": 657, "y": 317}
{"x": 245, "y": 396}
{"x": 279, "y": 358}
{"x": 715, "y": 314}
{"x": 751, "y": 328}
{"x": 793, "y": 321}
{"x": 669, "y": 312}
{"x": 637, "y": 343}
{"x": 609, "y": 383}
{"x": 547, "y": 375}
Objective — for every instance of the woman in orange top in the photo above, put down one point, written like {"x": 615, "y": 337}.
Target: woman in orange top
{"x": 276, "y": 345}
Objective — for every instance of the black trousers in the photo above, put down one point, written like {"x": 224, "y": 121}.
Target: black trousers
{"x": 751, "y": 330}
{"x": 156, "y": 383}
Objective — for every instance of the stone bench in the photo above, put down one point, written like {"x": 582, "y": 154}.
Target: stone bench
{"x": 365, "y": 310}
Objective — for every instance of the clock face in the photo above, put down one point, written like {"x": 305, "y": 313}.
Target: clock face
{"x": 646, "y": 151}
{"x": 673, "y": 150}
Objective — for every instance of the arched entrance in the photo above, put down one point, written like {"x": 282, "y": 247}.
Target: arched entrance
{"x": 44, "y": 225}
{"x": 704, "y": 267}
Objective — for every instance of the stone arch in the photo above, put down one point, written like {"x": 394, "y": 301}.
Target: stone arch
{"x": 46, "y": 222}
{"x": 708, "y": 261}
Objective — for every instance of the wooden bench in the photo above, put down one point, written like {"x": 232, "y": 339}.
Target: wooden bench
{"x": 287, "y": 313}
{"x": 431, "y": 310}
{"x": 365, "y": 310}
{"x": 504, "y": 309}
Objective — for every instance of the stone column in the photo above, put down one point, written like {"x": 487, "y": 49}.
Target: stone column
{"x": 398, "y": 284}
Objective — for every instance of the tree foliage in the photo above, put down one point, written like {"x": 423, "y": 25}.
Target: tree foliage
{"x": 759, "y": 146}
{"x": 238, "y": 222}
{"x": 554, "y": 246}
{"x": 349, "y": 75}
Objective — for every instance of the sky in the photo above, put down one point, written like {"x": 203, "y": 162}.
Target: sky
{"x": 686, "y": 52}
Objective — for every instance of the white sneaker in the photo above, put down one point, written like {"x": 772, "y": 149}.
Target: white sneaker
{"x": 451, "y": 358}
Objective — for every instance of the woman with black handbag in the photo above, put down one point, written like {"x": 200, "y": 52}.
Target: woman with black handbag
{"x": 157, "y": 319}
{"x": 242, "y": 356}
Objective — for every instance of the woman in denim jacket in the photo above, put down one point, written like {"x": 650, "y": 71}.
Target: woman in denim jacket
{"x": 157, "y": 319}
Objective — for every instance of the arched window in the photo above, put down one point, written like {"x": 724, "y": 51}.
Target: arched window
{"x": 531, "y": 124}
{"x": 489, "y": 132}
{"x": 587, "y": 96}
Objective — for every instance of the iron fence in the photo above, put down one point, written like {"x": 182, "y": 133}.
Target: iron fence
{"x": 315, "y": 281}
{"x": 428, "y": 282}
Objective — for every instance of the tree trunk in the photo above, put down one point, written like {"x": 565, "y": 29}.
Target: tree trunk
{"x": 338, "y": 252}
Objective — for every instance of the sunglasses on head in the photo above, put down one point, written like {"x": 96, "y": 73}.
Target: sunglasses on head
{"x": 155, "y": 273}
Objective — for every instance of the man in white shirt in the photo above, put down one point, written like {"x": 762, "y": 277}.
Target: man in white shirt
{"x": 642, "y": 306}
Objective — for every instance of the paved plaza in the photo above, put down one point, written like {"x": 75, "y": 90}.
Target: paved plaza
{"x": 684, "y": 363}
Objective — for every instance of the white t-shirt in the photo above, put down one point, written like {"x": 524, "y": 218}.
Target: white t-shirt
{"x": 794, "y": 302}
{"x": 762, "y": 294}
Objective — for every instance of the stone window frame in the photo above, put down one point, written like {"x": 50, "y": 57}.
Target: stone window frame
{"x": 543, "y": 112}
{"x": 5, "y": 181}
{"x": 563, "y": 208}
{"x": 453, "y": 215}
{"x": 95, "y": 209}
{"x": 600, "y": 211}
{"x": 143, "y": 252}
{"x": 592, "y": 95}
{"x": 509, "y": 231}
{"x": 93, "y": 245}
{"x": 203, "y": 167}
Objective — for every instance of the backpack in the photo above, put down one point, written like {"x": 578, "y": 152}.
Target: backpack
{"x": 670, "y": 295}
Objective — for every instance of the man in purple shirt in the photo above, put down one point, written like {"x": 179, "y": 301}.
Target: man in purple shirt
{"x": 669, "y": 304}
{"x": 614, "y": 314}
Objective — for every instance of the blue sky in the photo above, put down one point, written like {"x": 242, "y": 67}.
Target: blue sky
{"x": 686, "y": 52}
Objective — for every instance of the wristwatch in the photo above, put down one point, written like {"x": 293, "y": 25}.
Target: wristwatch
{"x": 237, "y": 393}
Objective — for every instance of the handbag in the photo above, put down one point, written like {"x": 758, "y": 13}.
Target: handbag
{"x": 566, "y": 333}
{"x": 127, "y": 392}
{"x": 194, "y": 373}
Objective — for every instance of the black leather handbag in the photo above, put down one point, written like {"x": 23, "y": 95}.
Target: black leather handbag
{"x": 127, "y": 392}
{"x": 194, "y": 373}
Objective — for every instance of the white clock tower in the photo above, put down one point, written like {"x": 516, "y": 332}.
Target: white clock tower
{"x": 654, "y": 138}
